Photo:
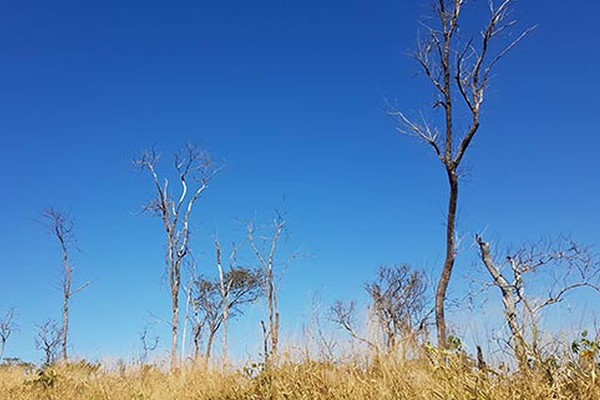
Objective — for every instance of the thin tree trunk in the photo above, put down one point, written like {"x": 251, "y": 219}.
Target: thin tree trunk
{"x": 265, "y": 342}
{"x": 67, "y": 295}
{"x": 209, "y": 343}
{"x": 196, "y": 344}
{"x": 442, "y": 289}
{"x": 275, "y": 335}
{"x": 175, "y": 327}
{"x": 226, "y": 305}
{"x": 225, "y": 332}
{"x": 273, "y": 314}
{"x": 65, "y": 326}
{"x": 185, "y": 325}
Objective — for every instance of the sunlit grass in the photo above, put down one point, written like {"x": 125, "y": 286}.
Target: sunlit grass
{"x": 432, "y": 376}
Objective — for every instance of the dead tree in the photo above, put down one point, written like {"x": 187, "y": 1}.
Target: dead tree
{"x": 7, "y": 327}
{"x": 265, "y": 250}
{"x": 459, "y": 71}
{"x": 61, "y": 226}
{"x": 534, "y": 278}
{"x": 48, "y": 340}
{"x": 398, "y": 303}
{"x": 195, "y": 169}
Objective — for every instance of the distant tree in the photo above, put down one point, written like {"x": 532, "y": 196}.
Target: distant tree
{"x": 398, "y": 307}
{"x": 534, "y": 278}
{"x": 398, "y": 303}
{"x": 48, "y": 341}
{"x": 7, "y": 327}
{"x": 18, "y": 363}
{"x": 238, "y": 286}
{"x": 148, "y": 343}
{"x": 61, "y": 226}
{"x": 343, "y": 314}
{"x": 459, "y": 69}
{"x": 264, "y": 248}
{"x": 216, "y": 301}
{"x": 195, "y": 170}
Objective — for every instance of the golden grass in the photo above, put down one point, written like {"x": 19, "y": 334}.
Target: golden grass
{"x": 453, "y": 377}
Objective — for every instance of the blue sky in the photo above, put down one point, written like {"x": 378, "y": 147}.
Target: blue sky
{"x": 290, "y": 95}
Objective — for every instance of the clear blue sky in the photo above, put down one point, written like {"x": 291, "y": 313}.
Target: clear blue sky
{"x": 290, "y": 95}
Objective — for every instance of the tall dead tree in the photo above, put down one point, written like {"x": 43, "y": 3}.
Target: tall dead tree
{"x": 534, "y": 278}
{"x": 7, "y": 327}
{"x": 459, "y": 69}
{"x": 195, "y": 169}
{"x": 61, "y": 226}
{"x": 265, "y": 250}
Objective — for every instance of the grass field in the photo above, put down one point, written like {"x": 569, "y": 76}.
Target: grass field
{"x": 430, "y": 376}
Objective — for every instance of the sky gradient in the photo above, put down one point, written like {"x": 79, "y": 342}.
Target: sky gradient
{"x": 290, "y": 96}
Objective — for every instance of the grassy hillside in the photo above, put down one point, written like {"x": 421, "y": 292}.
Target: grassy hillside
{"x": 432, "y": 376}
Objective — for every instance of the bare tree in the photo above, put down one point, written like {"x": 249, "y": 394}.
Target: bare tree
{"x": 398, "y": 303}
{"x": 148, "y": 344}
{"x": 265, "y": 250}
{"x": 217, "y": 301}
{"x": 460, "y": 72}
{"x": 342, "y": 314}
{"x": 7, "y": 327}
{"x": 48, "y": 341}
{"x": 61, "y": 226}
{"x": 195, "y": 169}
{"x": 534, "y": 278}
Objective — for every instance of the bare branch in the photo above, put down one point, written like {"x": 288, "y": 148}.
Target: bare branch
{"x": 571, "y": 266}
{"x": 343, "y": 315}
{"x": 423, "y": 132}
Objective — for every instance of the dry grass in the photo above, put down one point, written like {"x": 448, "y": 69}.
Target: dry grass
{"x": 453, "y": 377}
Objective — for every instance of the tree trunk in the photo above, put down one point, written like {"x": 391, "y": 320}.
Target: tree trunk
{"x": 273, "y": 314}
{"x": 226, "y": 305}
{"x": 442, "y": 288}
{"x": 175, "y": 327}
{"x": 225, "y": 332}
{"x": 67, "y": 295}
{"x": 209, "y": 343}
{"x": 196, "y": 344}
{"x": 65, "y": 326}
{"x": 265, "y": 342}
{"x": 275, "y": 335}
